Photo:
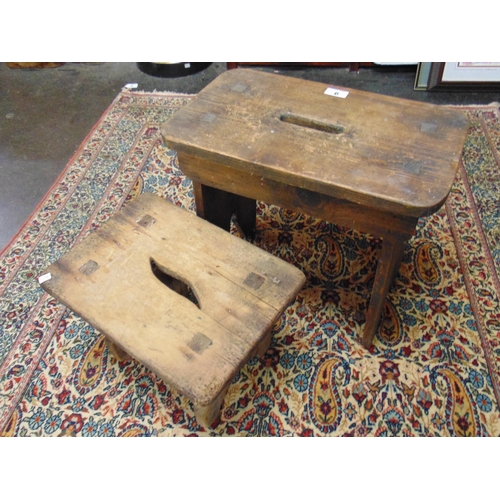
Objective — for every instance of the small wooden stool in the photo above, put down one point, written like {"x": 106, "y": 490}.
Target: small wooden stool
{"x": 129, "y": 279}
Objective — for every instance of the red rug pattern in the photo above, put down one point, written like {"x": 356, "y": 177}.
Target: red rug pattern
{"x": 434, "y": 368}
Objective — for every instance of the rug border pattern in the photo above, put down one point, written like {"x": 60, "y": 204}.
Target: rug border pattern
{"x": 57, "y": 311}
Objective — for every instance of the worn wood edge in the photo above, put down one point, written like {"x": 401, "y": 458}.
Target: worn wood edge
{"x": 234, "y": 75}
{"x": 340, "y": 191}
{"x": 386, "y": 203}
{"x": 342, "y": 212}
{"x": 203, "y": 399}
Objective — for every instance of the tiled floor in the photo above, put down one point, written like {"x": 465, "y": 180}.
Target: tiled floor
{"x": 46, "y": 114}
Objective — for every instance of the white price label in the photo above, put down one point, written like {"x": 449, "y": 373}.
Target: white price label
{"x": 45, "y": 277}
{"x": 336, "y": 92}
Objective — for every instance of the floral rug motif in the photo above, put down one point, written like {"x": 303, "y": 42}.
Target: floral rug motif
{"x": 434, "y": 368}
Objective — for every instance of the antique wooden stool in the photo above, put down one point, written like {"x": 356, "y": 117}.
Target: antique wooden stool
{"x": 358, "y": 159}
{"x": 187, "y": 299}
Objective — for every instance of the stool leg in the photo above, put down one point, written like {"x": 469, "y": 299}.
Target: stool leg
{"x": 217, "y": 206}
{"x": 116, "y": 351}
{"x": 214, "y": 205}
{"x": 206, "y": 415}
{"x": 388, "y": 265}
{"x": 264, "y": 344}
{"x": 246, "y": 213}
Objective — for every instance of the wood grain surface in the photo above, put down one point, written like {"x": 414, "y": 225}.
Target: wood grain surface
{"x": 378, "y": 151}
{"x": 241, "y": 290}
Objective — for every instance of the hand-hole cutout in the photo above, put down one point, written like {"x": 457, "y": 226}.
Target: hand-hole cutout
{"x": 302, "y": 121}
{"x": 174, "y": 283}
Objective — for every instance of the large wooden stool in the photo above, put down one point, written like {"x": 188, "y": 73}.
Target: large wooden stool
{"x": 362, "y": 160}
{"x": 130, "y": 278}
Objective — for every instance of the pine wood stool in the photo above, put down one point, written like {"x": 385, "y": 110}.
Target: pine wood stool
{"x": 131, "y": 277}
{"x": 362, "y": 160}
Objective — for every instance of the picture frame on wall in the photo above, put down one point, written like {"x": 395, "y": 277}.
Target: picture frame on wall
{"x": 464, "y": 76}
{"x": 422, "y": 76}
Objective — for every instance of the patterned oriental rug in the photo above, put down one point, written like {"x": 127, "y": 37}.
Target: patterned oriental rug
{"x": 434, "y": 368}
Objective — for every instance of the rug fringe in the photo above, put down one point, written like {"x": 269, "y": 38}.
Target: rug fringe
{"x": 126, "y": 90}
{"x": 494, "y": 104}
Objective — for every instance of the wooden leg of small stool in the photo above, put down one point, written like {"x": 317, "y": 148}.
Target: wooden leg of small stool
{"x": 116, "y": 351}
{"x": 264, "y": 344}
{"x": 388, "y": 265}
{"x": 206, "y": 415}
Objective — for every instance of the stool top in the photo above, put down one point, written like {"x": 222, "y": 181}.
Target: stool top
{"x": 382, "y": 152}
{"x": 110, "y": 281}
